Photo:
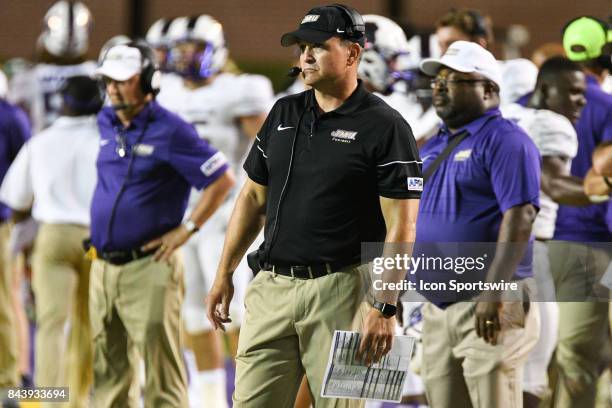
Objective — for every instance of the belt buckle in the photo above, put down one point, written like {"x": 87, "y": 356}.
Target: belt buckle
{"x": 297, "y": 267}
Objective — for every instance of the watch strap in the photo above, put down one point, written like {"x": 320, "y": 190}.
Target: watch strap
{"x": 387, "y": 309}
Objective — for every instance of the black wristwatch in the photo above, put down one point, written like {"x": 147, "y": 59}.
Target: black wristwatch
{"x": 387, "y": 309}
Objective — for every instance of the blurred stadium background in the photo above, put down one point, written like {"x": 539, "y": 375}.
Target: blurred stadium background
{"x": 253, "y": 27}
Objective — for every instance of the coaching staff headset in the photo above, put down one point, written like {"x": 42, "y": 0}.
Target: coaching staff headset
{"x": 332, "y": 167}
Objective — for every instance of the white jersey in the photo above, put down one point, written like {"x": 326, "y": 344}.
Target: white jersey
{"x": 422, "y": 123}
{"x": 55, "y": 172}
{"x": 518, "y": 78}
{"x": 607, "y": 84}
{"x": 37, "y": 90}
{"x": 554, "y": 135}
{"x": 214, "y": 109}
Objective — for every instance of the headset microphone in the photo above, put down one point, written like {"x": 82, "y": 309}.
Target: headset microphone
{"x": 294, "y": 72}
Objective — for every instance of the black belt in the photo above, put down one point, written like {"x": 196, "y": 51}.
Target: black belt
{"x": 123, "y": 257}
{"x": 309, "y": 271}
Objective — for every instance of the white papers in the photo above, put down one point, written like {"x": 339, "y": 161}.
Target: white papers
{"x": 347, "y": 378}
{"x": 606, "y": 280}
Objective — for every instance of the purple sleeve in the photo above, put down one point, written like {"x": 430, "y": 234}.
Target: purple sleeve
{"x": 606, "y": 126}
{"x": 514, "y": 165}
{"x": 19, "y": 132}
{"x": 195, "y": 159}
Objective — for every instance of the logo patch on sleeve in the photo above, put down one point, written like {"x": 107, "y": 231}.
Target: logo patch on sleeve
{"x": 213, "y": 164}
{"x": 415, "y": 184}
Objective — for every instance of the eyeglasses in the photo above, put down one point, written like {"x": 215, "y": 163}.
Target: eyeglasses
{"x": 438, "y": 82}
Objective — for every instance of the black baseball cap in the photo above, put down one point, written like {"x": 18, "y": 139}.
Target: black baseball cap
{"x": 322, "y": 23}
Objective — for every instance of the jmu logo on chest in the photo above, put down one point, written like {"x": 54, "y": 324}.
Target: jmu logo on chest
{"x": 462, "y": 155}
{"x": 343, "y": 136}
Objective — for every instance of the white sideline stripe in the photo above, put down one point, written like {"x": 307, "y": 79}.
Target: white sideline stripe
{"x": 262, "y": 152}
{"x": 399, "y": 161}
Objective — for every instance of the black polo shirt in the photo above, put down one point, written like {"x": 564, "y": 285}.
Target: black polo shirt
{"x": 343, "y": 161}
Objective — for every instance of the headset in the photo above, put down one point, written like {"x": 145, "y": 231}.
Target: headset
{"x": 356, "y": 31}
{"x": 605, "y": 58}
{"x": 150, "y": 75}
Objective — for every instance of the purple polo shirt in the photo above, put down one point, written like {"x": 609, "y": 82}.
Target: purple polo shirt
{"x": 14, "y": 131}
{"x": 588, "y": 224}
{"x": 496, "y": 167}
{"x": 133, "y": 206}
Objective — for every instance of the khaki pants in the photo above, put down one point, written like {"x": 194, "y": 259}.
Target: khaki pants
{"x": 461, "y": 370}
{"x": 583, "y": 327}
{"x": 288, "y": 328}
{"x": 61, "y": 283}
{"x": 8, "y": 336}
{"x": 135, "y": 312}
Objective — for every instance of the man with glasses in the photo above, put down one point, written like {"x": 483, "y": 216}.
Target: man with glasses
{"x": 149, "y": 159}
{"x": 486, "y": 189}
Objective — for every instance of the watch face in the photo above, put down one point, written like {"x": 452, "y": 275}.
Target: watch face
{"x": 389, "y": 310}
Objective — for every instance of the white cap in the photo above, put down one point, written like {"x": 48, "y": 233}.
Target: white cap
{"x": 468, "y": 57}
{"x": 121, "y": 63}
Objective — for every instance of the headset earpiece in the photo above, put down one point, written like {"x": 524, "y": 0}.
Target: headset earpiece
{"x": 150, "y": 76}
{"x": 356, "y": 31}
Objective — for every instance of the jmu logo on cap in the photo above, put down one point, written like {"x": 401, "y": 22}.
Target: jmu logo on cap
{"x": 310, "y": 18}
{"x": 415, "y": 184}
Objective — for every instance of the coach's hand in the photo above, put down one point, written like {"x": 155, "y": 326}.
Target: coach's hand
{"x": 487, "y": 321}
{"x": 168, "y": 243}
{"x": 218, "y": 301}
{"x": 377, "y": 337}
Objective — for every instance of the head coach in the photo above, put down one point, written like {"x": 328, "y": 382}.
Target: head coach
{"x": 332, "y": 167}
{"x": 148, "y": 161}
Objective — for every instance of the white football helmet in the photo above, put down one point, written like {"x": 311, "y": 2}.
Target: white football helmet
{"x": 204, "y": 30}
{"x": 67, "y": 27}
{"x": 384, "y": 51}
{"x": 157, "y": 35}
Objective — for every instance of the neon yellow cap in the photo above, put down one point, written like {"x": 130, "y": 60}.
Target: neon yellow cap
{"x": 584, "y": 38}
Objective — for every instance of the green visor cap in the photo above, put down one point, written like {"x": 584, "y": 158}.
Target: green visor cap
{"x": 584, "y": 38}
